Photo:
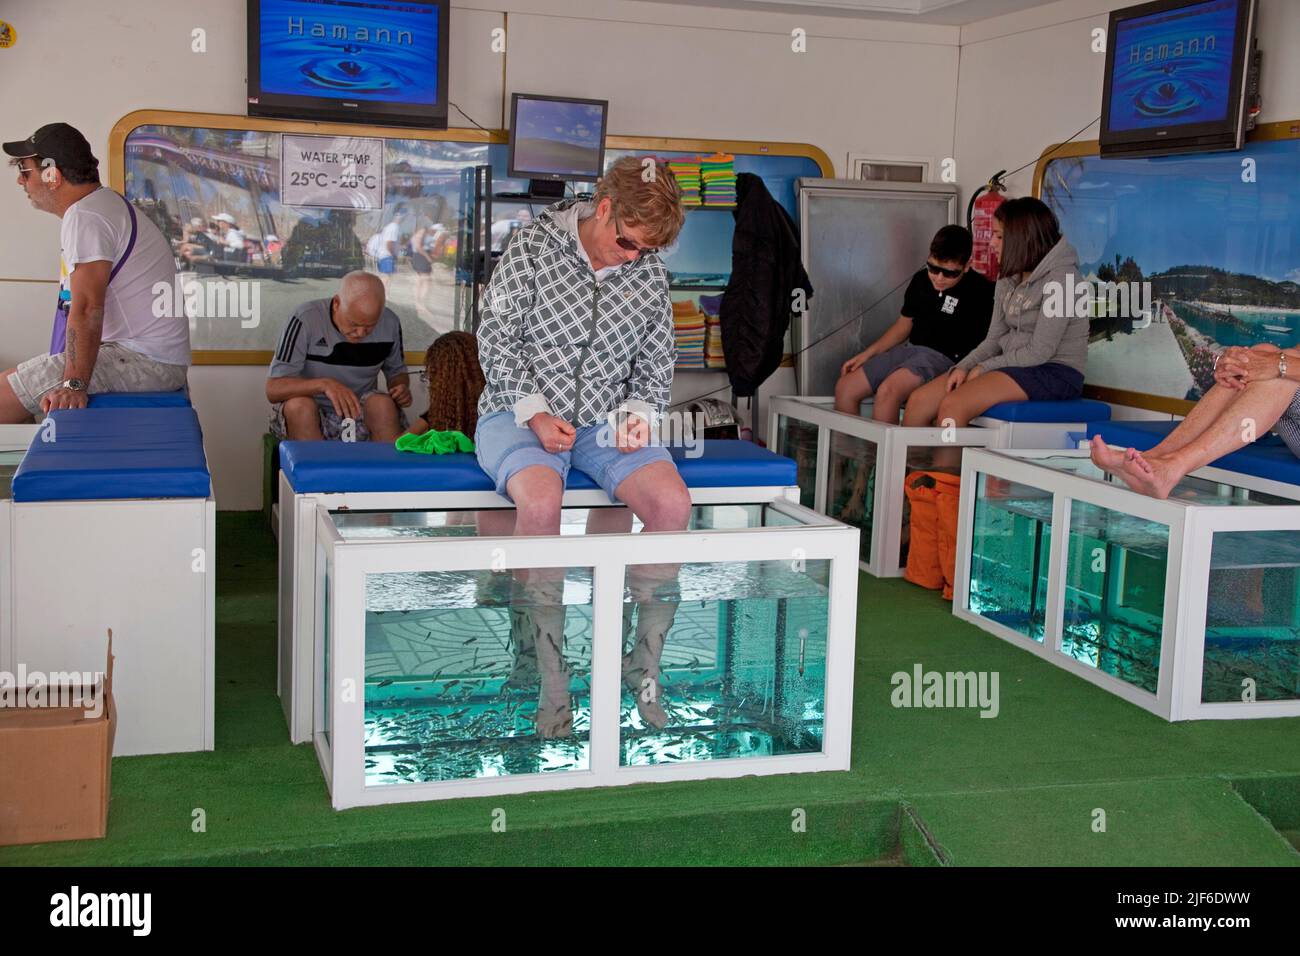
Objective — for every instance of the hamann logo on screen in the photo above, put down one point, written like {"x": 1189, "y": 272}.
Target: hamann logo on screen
{"x": 339, "y": 31}
{"x": 1152, "y": 52}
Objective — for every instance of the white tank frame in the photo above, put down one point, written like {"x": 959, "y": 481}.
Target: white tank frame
{"x": 342, "y": 754}
{"x": 893, "y": 442}
{"x": 297, "y": 563}
{"x": 1191, "y": 531}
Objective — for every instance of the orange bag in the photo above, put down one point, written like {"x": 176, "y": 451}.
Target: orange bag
{"x": 947, "y": 508}
{"x": 923, "y": 551}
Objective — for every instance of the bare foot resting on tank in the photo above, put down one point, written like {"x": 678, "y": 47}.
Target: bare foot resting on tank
{"x": 1148, "y": 476}
{"x": 1109, "y": 460}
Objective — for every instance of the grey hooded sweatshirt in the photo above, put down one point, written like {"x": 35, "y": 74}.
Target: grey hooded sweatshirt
{"x": 1022, "y": 333}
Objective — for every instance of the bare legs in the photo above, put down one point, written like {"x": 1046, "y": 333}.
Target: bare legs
{"x": 658, "y": 497}
{"x": 537, "y": 599}
{"x": 933, "y": 404}
{"x": 894, "y": 391}
{"x": 852, "y": 389}
{"x": 1222, "y": 422}
{"x": 302, "y": 418}
{"x": 12, "y": 411}
{"x": 381, "y": 416}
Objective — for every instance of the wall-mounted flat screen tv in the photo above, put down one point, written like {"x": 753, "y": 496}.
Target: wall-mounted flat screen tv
{"x": 382, "y": 62}
{"x": 1176, "y": 77}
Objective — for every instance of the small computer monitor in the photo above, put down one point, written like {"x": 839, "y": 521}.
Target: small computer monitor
{"x": 555, "y": 138}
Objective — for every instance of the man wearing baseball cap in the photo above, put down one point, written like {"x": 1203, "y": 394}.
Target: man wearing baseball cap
{"x": 107, "y": 337}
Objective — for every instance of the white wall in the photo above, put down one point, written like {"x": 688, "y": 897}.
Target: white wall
{"x": 668, "y": 70}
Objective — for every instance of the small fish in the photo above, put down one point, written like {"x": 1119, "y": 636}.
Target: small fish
{"x": 470, "y": 641}
{"x": 385, "y": 682}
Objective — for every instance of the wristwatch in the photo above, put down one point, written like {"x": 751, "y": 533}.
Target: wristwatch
{"x": 76, "y": 384}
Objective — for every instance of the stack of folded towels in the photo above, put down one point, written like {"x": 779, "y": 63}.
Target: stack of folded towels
{"x": 688, "y": 331}
{"x": 718, "y": 174}
{"x": 713, "y": 357}
{"x": 687, "y": 173}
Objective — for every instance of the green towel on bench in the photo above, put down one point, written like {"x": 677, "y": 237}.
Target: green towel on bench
{"x": 434, "y": 443}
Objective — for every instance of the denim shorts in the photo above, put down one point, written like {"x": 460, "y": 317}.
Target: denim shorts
{"x": 504, "y": 449}
{"x": 1052, "y": 382}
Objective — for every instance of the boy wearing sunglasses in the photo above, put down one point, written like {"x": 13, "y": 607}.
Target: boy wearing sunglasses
{"x": 946, "y": 312}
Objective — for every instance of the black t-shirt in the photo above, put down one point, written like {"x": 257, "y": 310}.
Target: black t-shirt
{"x": 951, "y": 322}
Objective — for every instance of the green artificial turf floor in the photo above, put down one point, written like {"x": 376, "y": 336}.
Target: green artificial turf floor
{"x": 1066, "y": 774}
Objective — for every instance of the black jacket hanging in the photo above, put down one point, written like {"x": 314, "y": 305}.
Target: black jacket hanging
{"x": 760, "y": 297}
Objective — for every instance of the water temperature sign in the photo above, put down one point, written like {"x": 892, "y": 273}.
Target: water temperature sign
{"x": 332, "y": 172}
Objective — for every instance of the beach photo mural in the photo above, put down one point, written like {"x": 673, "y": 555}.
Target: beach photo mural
{"x": 1216, "y": 235}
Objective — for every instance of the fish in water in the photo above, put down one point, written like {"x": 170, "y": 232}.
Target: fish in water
{"x": 385, "y": 682}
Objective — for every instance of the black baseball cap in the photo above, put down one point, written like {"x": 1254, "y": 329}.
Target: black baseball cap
{"x": 57, "y": 141}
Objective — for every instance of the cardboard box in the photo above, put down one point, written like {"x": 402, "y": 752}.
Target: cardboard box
{"x": 55, "y": 762}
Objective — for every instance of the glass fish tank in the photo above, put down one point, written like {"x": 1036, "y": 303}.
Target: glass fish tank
{"x": 851, "y": 485}
{"x": 1252, "y": 627}
{"x": 1011, "y": 537}
{"x": 498, "y": 664}
{"x": 797, "y": 439}
{"x": 1115, "y": 593}
{"x": 1214, "y": 569}
{"x": 861, "y": 481}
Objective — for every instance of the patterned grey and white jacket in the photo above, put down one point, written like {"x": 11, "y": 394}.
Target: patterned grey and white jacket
{"x": 554, "y": 338}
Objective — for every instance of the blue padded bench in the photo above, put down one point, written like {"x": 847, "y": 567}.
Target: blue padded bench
{"x": 1267, "y": 458}
{"x": 1041, "y": 424}
{"x": 116, "y": 453}
{"x": 176, "y": 399}
{"x": 1078, "y": 410}
{"x": 325, "y": 467}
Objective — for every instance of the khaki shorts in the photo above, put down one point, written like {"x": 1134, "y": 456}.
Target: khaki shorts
{"x": 118, "y": 369}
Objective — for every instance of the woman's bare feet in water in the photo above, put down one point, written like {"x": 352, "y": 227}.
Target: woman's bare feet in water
{"x": 1149, "y": 476}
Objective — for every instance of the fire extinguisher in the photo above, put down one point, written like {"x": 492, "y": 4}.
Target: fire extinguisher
{"x": 979, "y": 219}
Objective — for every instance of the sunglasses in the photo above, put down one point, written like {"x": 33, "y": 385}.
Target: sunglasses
{"x": 25, "y": 171}
{"x": 940, "y": 270}
{"x": 629, "y": 245}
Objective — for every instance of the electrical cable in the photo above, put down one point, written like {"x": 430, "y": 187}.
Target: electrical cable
{"x": 468, "y": 117}
{"x": 811, "y": 345}
{"x": 1041, "y": 156}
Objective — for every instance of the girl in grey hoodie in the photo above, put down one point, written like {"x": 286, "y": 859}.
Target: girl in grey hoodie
{"x": 1037, "y": 347}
